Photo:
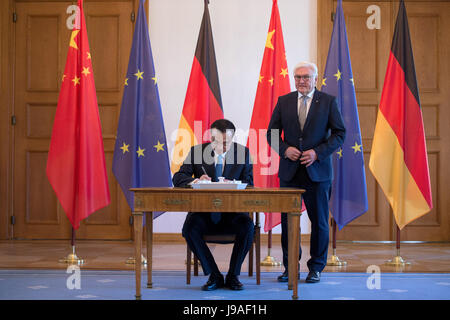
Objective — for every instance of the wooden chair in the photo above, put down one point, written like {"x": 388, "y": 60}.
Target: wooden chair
{"x": 229, "y": 238}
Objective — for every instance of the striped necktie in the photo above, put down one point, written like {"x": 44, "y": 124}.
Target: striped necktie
{"x": 215, "y": 216}
{"x": 302, "y": 111}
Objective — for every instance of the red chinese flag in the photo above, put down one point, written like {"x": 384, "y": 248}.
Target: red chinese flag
{"x": 398, "y": 158}
{"x": 76, "y": 160}
{"x": 203, "y": 102}
{"x": 273, "y": 82}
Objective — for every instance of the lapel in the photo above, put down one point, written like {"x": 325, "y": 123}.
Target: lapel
{"x": 293, "y": 110}
{"x": 209, "y": 168}
{"x": 313, "y": 109}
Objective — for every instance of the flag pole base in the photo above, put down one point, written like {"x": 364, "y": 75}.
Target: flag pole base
{"x": 132, "y": 260}
{"x": 335, "y": 261}
{"x": 72, "y": 258}
{"x": 270, "y": 261}
{"x": 397, "y": 261}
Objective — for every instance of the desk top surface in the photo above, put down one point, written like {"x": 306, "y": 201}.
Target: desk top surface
{"x": 248, "y": 190}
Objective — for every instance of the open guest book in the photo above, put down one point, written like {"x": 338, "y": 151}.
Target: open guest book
{"x": 222, "y": 184}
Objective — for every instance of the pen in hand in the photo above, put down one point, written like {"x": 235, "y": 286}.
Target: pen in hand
{"x": 205, "y": 174}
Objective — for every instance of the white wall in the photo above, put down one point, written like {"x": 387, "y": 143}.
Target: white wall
{"x": 239, "y": 30}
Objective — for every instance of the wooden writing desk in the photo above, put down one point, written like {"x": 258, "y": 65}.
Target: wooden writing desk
{"x": 148, "y": 200}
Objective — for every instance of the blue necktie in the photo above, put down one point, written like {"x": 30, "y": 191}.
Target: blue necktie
{"x": 219, "y": 167}
{"x": 215, "y": 216}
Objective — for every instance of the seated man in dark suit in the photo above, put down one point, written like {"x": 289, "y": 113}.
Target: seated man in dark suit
{"x": 209, "y": 161}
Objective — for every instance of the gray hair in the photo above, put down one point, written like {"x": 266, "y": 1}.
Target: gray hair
{"x": 306, "y": 64}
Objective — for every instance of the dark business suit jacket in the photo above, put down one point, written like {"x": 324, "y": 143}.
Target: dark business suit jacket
{"x": 324, "y": 131}
{"x": 237, "y": 165}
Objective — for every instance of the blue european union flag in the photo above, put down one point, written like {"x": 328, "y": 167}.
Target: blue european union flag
{"x": 349, "y": 192}
{"x": 140, "y": 154}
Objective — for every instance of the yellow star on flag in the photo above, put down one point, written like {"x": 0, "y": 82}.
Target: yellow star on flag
{"x": 154, "y": 79}
{"x": 338, "y": 75}
{"x": 339, "y": 153}
{"x": 324, "y": 81}
{"x": 260, "y": 78}
{"x": 72, "y": 43}
{"x": 284, "y": 72}
{"x": 269, "y": 40}
{"x": 357, "y": 147}
{"x": 139, "y": 74}
{"x": 159, "y": 146}
{"x": 126, "y": 81}
{"x": 88, "y": 55}
{"x": 125, "y": 147}
{"x": 85, "y": 71}
{"x": 352, "y": 81}
{"x": 140, "y": 152}
{"x": 76, "y": 81}
{"x": 271, "y": 81}
{"x": 63, "y": 77}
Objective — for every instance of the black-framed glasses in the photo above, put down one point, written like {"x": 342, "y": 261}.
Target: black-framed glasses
{"x": 304, "y": 77}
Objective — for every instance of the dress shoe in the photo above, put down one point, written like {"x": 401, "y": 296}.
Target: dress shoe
{"x": 215, "y": 281}
{"x": 232, "y": 282}
{"x": 285, "y": 276}
{"x": 313, "y": 277}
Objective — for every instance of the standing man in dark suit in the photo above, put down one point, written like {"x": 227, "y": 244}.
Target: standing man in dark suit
{"x": 209, "y": 161}
{"x": 313, "y": 129}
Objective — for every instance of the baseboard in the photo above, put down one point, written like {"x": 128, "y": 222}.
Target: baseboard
{"x": 178, "y": 238}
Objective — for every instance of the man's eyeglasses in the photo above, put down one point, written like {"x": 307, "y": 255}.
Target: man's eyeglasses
{"x": 304, "y": 78}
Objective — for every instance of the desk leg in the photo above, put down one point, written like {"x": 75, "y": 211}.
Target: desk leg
{"x": 138, "y": 251}
{"x": 258, "y": 249}
{"x": 293, "y": 248}
{"x": 149, "y": 224}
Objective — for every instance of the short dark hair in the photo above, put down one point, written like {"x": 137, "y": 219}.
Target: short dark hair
{"x": 223, "y": 125}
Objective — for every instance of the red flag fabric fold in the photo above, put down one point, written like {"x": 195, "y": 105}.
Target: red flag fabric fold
{"x": 76, "y": 160}
{"x": 273, "y": 82}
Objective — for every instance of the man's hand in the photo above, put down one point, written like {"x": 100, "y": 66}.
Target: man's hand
{"x": 292, "y": 153}
{"x": 308, "y": 157}
{"x": 203, "y": 177}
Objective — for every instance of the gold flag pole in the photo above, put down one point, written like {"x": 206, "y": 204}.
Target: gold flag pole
{"x": 269, "y": 260}
{"x": 72, "y": 258}
{"x": 397, "y": 261}
{"x": 334, "y": 259}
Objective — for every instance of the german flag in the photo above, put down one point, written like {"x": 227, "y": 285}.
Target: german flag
{"x": 398, "y": 158}
{"x": 203, "y": 102}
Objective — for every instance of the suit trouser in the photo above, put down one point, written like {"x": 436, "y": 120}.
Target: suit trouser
{"x": 316, "y": 200}
{"x": 198, "y": 224}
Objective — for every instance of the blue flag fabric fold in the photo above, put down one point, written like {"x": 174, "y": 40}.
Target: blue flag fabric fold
{"x": 349, "y": 190}
{"x": 140, "y": 154}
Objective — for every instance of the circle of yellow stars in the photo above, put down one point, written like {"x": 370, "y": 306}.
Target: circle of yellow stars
{"x": 141, "y": 151}
{"x": 356, "y": 148}
{"x": 338, "y": 76}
